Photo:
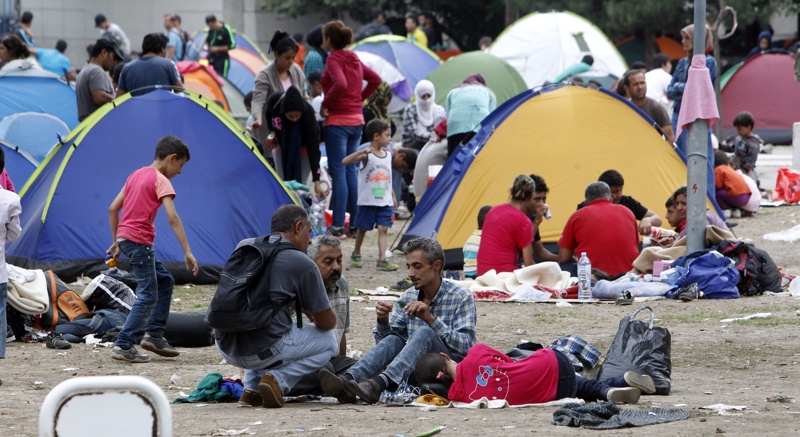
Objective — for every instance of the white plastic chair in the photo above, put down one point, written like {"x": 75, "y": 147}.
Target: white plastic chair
{"x": 106, "y": 405}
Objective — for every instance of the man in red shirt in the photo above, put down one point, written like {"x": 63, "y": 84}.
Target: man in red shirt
{"x": 605, "y": 231}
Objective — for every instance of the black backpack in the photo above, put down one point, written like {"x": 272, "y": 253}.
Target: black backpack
{"x": 243, "y": 301}
{"x": 758, "y": 272}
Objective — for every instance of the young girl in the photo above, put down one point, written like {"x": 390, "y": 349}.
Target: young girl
{"x": 544, "y": 376}
{"x": 732, "y": 190}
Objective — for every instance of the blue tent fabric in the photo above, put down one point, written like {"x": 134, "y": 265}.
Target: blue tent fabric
{"x": 241, "y": 77}
{"x": 410, "y": 59}
{"x": 38, "y": 94}
{"x": 225, "y": 193}
{"x": 19, "y": 164}
{"x": 33, "y": 132}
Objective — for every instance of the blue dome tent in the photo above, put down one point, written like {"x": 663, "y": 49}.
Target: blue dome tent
{"x": 33, "y": 132}
{"x": 226, "y": 192}
{"x": 45, "y": 94}
{"x": 19, "y": 164}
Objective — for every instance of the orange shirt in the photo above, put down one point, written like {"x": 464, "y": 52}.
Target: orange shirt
{"x": 300, "y": 56}
{"x": 725, "y": 176}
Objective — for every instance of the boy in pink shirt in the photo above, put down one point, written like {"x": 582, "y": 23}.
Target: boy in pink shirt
{"x": 144, "y": 192}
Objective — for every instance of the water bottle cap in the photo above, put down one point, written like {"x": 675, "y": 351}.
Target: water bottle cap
{"x": 583, "y": 253}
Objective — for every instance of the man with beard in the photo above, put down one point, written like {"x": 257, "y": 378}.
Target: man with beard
{"x": 432, "y": 316}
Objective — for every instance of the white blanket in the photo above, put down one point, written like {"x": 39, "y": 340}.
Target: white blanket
{"x": 547, "y": 274}
{"x": 29, "y": 297}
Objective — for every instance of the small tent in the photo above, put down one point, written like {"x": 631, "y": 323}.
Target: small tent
{"x": 19, "y": 164}
{"x": 34, "y": 132}
{"x": 401, "y": 92}
{"x": 413, "y": 60}
{"x": 543, "y": 44}
{"x": 45, "y": 94}
{"x": 569, "y": 137}
{"x": 501, "y": 77}
{"x": 764, "y": 85}
{"x": 226, "y": 192}
{"x": 203, "y": 80}
{"x": 632, "y": 48}
{"x": 244, "y": 67}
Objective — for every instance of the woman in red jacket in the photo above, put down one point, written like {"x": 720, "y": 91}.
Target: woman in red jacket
{"x": 344, "y": 119}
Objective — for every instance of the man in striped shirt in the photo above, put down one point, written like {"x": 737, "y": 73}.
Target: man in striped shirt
{"x": 432, "y": 316}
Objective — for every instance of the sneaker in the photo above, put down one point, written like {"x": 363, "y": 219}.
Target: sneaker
{"x": 56, "y": 341}
{"x": 338, "y": 232}
{"x": 250, "y": 398}
{"x": 355, "y": 261}
{"x": 402, "y": 215}
{"x": 271, "y": 393}
{"x": 130, "y": 355}
{"x": 386, "y": 266}
{"x": 159, "y": 345}
{"x": 689, "y": 293}
{"x": 736, "y": 213}
{"x": 403, "y": 285}
{"x": 624, "y": 395}
{"x": 643, "y": 382}
{"x": 726, "y": 213}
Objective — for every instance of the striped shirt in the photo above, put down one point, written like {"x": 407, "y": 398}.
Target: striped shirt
{"x": 454, "y": 323}
{"x": 471, "y": 254}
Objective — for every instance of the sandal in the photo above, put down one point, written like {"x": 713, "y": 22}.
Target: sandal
{"x": 624, "y": 298}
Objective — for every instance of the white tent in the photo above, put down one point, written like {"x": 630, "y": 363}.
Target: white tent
{"x": 401, "y": 92}
{"x": 542, "y": 44}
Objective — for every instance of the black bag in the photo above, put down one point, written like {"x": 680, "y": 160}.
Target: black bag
{"x": 758, "y": 272}
{"x": 105, "y": 292}
{"x": 642, "y": 348}
{"x": 188, "y": 330}
{"x": 243, "y": 301}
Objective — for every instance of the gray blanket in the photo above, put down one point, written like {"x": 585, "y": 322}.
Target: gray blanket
{"x": 609, "y": 416}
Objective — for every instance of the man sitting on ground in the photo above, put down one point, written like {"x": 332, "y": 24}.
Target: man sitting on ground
{"x": 433, "y": 316}
{"x": 540, "y": 253}
{"x": 276, "y": 356}
{"x": 647, "y": 218}
{"x": 605, "y": 231}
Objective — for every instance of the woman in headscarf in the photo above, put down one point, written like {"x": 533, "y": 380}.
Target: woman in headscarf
{"x": 678, "y": 83}
{"x": 293, "y": 122}
{"x": 466, "y": 106}
{"x": 422, "y": 116}
{"x": 279, "y": 75}
{"x": 377, "y": 107}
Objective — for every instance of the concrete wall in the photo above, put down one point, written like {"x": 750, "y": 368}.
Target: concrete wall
{"x": 73, "y": 20}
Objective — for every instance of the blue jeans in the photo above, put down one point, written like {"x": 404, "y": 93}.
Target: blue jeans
{"x": 397, "y": 357}
{"x": 3, "y": 323}
{"x": 153, "y": 295}
{"x": 299, "y": 352}
{"x": 341, "y": 141}
{"x": 682, "y": 143}
{"x": 571, "y": 385}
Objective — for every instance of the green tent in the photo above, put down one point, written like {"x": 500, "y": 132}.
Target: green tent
{"x": 501, "y": 77}
{"x": 723, "y": 80}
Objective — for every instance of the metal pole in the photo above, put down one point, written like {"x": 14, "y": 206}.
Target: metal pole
{"x": 697, "y": 152}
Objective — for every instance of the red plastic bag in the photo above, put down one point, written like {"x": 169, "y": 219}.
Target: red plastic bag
{"x": 787, "y": 186}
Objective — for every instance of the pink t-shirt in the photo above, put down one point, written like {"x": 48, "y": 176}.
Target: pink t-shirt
{"x": 143, "y": 191}
{"x": 506, "y": 232}
{"x": 5, "y": 181}
{"x": 487, "y": 372}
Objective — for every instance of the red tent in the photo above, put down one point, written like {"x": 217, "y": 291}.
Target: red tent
{"x": 765, "y": 86}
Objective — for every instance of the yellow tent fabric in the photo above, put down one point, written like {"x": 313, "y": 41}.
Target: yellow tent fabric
{"x": 569, "y": 137}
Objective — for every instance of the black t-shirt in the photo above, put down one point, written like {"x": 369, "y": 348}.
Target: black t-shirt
{"x": 629, "y": 202}
{"x": 220, "y": 38}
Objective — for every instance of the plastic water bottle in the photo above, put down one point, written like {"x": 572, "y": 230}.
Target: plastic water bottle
{"x": 584, "y": 277}
{"x": 111, "y": 262}
{"x": 317, "y": 217}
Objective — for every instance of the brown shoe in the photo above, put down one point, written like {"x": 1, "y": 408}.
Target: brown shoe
{"x": 250, "y": 398}
{"x": 270, "y": 392}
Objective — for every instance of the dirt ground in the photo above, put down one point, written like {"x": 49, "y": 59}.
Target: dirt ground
{"x": 739, "y": 363}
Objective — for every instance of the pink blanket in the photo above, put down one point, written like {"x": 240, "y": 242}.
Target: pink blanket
{"x": 699, "y": 100}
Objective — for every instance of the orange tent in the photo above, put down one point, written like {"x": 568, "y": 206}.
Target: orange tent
{"x": 203, "y": 80}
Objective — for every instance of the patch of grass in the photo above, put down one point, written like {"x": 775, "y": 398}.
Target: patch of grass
{"x": 771, "y": 321}
{"x": 686, "y": 318}
{"x": 181, "y": 292}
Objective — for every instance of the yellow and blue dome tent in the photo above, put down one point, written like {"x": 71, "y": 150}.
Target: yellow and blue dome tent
{"x": 226, "y": 191}
{"x": 569, "y": 136}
